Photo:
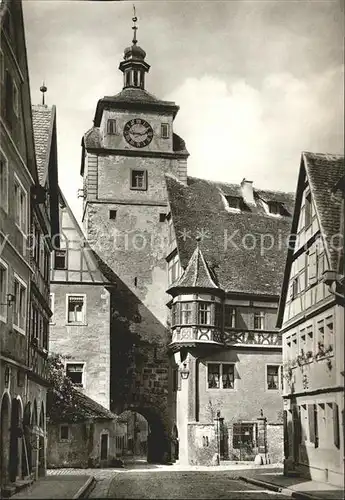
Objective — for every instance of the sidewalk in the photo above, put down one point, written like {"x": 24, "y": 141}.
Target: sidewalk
{"x": 59, "y": 486}
{"x": 296, "y": 487}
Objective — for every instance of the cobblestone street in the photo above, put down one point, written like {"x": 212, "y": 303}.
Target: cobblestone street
{"x": 175, "y": 482}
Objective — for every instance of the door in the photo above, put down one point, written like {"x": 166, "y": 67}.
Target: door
{"x": 244, "y": 441}
{"x": 104, "y": 446}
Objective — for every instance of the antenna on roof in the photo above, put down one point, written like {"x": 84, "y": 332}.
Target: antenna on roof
{"x": 43, "y": 89}
{"x": 134, "y": 27}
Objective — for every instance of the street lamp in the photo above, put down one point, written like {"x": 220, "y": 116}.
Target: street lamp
{"x": 184, "y": 372}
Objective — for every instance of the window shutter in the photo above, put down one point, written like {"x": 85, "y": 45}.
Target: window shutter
{"x": 311, "y": 421}
{"x": 336, "y": 436}
{"x": 312, "y": 266}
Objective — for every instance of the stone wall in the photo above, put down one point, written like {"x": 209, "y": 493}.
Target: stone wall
{"x": 202, "y": 444}
{"x": 275, "y": 443}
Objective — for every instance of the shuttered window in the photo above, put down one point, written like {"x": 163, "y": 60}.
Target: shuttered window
{"x": 312, "y": 266}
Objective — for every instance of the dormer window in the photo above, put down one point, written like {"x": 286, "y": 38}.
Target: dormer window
{"x": 274, "y": 208}
{"x": 234, "y": 202}
{"x": 111, "y": 127}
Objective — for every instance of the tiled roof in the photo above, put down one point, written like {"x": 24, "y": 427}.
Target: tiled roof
{"x": 179, "y": 144}
{"x": 83, "y": 408}
{"x": 231, "y": 241}
{"x": 197, "y": 273}
{"x": 42, "y": 118}
{"x": 324, "y": 171}
{"x": 133, "y": 96}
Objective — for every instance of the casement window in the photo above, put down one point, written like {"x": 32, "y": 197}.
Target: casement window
{"x": 139, "y": 179}
{"x": 45, "y": 334}
{"x": 329, "y": 333}
{"x": 186, "y": 313}
{"x": 64, "y": 432}
{"x": 8, "y": 97}
{"x": 112, "y": 214}
{"x": 230, "y": 316}
{"x": 3, "y": 291}
{"x": 52, "y": 306}
{"x": 218, "y": 315}
{"x": 111, "y": 127}
{"x": 204, "y": 313}
{"x": 259, "y": 320}
{"x": 308, "y": 210}
{"x": 35, "y": 323}
{"x": 294, "y": 288}
{"x": 321, "y": 333}
{"x": 19, "y": 307}
{"x": 60, "y": 261}
{"x": 76, "y": 305}
{"x": 174, "y": 314}
{"x": 274, "y": 379}
{"x": 3, "y": 182}
{"x": 220, "y": 376}
{"x": 165, "y": 130}
{"x": 75, "y": 372}
{"x": 162, "y": 217}
{"x": 309, "y": 347}
{"x": 320, "y": 264}
{"x": 311, "y": 272}
{"x": 174, "y": 269}
{"x": 274, "y": 208}
{"x": 36, "y": 244}
{"x": 20, "y": 206}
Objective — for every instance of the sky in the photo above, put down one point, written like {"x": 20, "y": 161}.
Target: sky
{"x": 257, "y": 82}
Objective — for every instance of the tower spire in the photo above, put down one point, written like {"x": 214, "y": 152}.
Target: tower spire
{"x": 134, "y": 65}
{"x": 134, "y": 27}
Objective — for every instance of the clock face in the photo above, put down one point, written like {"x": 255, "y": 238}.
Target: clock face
{"x": 138, "y": 133}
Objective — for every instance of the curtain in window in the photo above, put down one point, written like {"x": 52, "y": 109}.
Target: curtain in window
{"x": 272, "y": 377}
{"x": 75, "y": 309}
{"x": 213, "y": 376}
{"x": 228, "y": 376}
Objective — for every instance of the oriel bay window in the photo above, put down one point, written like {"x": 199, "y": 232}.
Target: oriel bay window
{"x": 220, "y": 375}
{"x": 186, "y": 313}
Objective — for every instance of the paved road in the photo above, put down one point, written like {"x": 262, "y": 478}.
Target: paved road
{"x": 159, "y": 484}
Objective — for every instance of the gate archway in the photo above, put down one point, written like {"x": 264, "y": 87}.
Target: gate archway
{"x": 148, "y": 436}
{"x": 5, "y": 437}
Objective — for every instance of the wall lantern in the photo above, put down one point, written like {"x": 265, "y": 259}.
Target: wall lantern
{"x": 11, "y": 299}
{"x": 184, "y": 372}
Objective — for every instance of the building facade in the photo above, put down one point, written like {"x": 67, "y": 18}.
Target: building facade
{"x": 311, "y": 317}
{"x": 225, "y": 264}
{"x": 25, "y": 231}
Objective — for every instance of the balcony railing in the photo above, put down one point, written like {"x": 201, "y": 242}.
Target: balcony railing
{"x": 253, "y": 337}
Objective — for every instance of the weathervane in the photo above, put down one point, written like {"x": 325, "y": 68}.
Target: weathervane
{"x": 134, "y": 27}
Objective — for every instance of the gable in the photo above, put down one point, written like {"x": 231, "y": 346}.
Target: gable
{"x": 81, "y": 264}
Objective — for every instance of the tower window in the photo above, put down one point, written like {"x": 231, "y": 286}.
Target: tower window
{"x": 162, "y": 217}
{"x": 112, "y": 214}
{"x": 139, "y": 179}
{"x": 111, "y": 127}
{"x": 165, "y": 130}
{"x": 128, "y": 79}
{"x": 135, "y": 78}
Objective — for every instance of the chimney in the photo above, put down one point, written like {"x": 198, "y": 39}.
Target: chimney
{"x": 247, "y": 192}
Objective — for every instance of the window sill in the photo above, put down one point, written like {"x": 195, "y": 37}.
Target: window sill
{"x": 138, "y": 189}
{"x": 77, "y": 323}
{"x": 19, "y": 330}
{"x": 220, "y": 389}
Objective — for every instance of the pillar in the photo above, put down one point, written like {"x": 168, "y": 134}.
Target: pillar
{"x": 261, "y": 457}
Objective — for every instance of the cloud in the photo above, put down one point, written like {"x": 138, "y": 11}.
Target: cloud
{"x": 235, "y": 130}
